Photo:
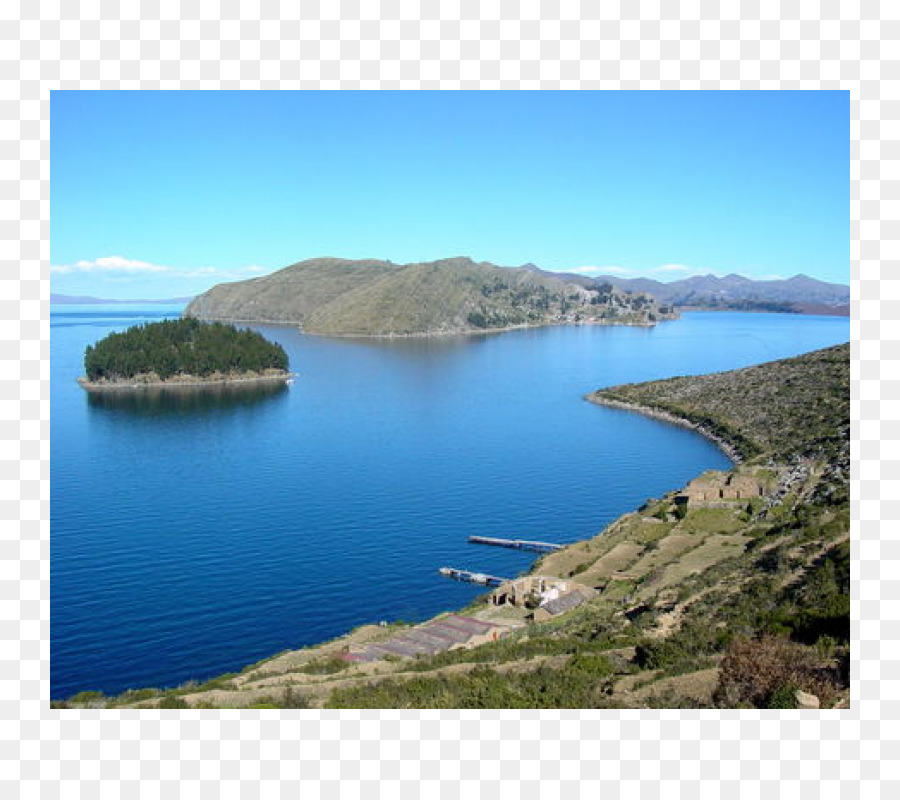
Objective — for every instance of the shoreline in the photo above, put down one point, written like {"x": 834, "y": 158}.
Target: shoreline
{"x": 441, "y": 333}
{"x": 725, "y": 446}
{"x": 482, "y": 331}
{"x": 191, "y": 383}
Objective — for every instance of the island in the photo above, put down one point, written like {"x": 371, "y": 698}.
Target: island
{"x": 370, "y": 298}
{"x": 182, "y": 353}
{"x": 731, "y": 592}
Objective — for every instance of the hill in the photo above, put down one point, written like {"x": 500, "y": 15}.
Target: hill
{"x": 457, "y": 295}
{"x": 800, "y": 294}
{"x": 731, "y": 592}
{"x": 794, "y": 408}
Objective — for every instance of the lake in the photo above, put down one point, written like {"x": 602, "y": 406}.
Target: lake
{"x": 196, "y": 533}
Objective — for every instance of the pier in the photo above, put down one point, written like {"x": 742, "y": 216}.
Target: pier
{"x": 472, "y": 577}
{"x": 519, "y": 544}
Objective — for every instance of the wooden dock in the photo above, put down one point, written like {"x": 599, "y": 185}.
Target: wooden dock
{"x": 472, "y": 577}
{"x": 518, "y": 544}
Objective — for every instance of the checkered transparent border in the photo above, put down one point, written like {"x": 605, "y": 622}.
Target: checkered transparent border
{"x": 496, "y": 44}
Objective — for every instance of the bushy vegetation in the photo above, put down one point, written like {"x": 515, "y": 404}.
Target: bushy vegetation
{"x": 289, "y": 698}
{"x": 185, "y": 346}
{"x": 172, "y": 701}
{"x": 584, "y": 681}
{"x": 766, "y": 672}
{"x": 324, "y": 666}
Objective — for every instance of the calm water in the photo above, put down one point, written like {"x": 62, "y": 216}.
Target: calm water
{"x": 193, "y": 535}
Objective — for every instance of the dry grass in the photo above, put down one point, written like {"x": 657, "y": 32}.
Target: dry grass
{"x": 561, "y": 563}
{"x": 669, "y": 549}
{"x": 694, "y": 686}
{"x": 619, "y": 558}
{"x": 714, "y": 520}
{"x": 714, "y": 549}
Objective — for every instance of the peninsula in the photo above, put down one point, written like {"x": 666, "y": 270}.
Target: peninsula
{"x": 182, "y": 353}
{"x": 732, "y": 592}
{"x": 339, "y": 297}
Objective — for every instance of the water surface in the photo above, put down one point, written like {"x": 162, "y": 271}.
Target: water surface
{"x": 195, "y": 534}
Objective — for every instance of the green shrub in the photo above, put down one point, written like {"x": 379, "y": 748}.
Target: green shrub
{"x": 88, "y": 697}
{"x": 264, "y": 702}
{"x": 581, "y": 683}
{"x": 172, "y": 701}
{"x": 136, "y": 696}
{"x": 293, "y": 699}
{"x": 784, "y": 697}
{"x": 324, "y": 666}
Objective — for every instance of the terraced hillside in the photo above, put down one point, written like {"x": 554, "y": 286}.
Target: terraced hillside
{"x": 456, "y": 295}
{"x": 731, "y": 592}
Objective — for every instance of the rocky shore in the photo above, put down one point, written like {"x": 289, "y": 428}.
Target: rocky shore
{"x": 182, "y": 381}
{"x": 725, "y": 446}
{"x": 478, "y": 331}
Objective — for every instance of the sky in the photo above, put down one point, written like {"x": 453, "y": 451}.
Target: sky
{"x": 158, "y": 194}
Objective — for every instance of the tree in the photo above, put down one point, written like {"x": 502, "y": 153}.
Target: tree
{"x": 185, "y": 346}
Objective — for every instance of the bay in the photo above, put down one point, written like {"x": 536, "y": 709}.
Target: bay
{"x": 193, "y": 534}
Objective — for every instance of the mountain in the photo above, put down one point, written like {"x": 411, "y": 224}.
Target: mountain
{"x": 334, "y": 296}
{"x": 67, "y": 299}
{"x": 800, "y": 294}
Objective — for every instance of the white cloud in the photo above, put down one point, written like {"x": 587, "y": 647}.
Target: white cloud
{"x": 662, "y": 272}
{"x": 601, "y": 270}
{"x": 674, "y": 268}
{"x": 118, "y": 265}
{"x": 680, "y": 271}
{"x": 222, "y": 274}
{"x": 109, "y": 264}
{"x": 200, "y": 272}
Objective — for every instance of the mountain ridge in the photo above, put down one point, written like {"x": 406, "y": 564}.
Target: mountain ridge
{"x": 735, "y": 290}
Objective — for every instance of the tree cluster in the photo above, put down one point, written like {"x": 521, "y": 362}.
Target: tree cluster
{"x": 185, "y": 346}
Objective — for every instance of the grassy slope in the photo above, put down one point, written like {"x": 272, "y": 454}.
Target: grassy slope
{"x": 290, "y": 294}
{"x": 729, "y": 604}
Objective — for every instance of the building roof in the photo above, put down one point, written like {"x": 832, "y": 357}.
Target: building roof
{"x": 565, "y": 603}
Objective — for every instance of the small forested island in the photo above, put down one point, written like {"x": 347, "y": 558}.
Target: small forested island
{"x": 182, "y": 352}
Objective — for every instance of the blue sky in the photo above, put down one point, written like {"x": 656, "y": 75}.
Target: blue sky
{"x": 163, "y": 194}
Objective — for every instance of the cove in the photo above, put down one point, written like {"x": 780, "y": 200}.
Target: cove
{"x": 192, "y": 536}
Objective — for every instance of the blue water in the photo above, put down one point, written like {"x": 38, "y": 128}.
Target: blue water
{"x": 196, "y": 534}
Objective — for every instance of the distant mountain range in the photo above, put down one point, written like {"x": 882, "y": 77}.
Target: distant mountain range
{"x": 800, "y": 294}
{"x": 68, "y": 299}
{"x": 307, "y": 292}
{"x": 335, "y": 296}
